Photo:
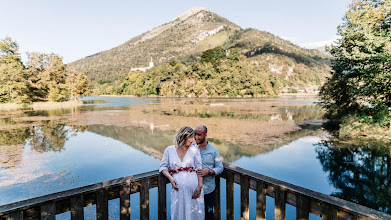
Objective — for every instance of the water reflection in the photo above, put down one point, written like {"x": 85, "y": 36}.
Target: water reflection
{"x": 49, "y": 136}
{"x": 282, "y": 114}
{"x": 14, "y": 136}
{"x": 154, "y": 141}
{"x": 360, "y": 171}
{"x": 52, "y": 135}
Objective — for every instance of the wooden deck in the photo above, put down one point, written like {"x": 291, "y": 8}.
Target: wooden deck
{"x": 306, "y": 201}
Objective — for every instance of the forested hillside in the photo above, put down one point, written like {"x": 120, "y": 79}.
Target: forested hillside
{"x": 184, "y": 40}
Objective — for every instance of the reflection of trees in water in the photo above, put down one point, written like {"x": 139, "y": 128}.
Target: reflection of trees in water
{"x": 14, "y": 136}
{"x": 52, "y": 135}
{"x": 154, "y": 142}
{"x": 11, "y": 146}
{"x": 361, "y": 172}
{"x": 283, "y": 114}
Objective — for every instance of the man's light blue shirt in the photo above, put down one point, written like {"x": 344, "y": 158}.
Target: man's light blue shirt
{"x": 211, "y": 160}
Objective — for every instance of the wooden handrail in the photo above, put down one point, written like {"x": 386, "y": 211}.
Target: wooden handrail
{"x": 306, "y": 201}
{"x": 297, "y": 196}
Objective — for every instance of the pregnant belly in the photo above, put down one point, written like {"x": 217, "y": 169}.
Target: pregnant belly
{"x": 187, "y": 180}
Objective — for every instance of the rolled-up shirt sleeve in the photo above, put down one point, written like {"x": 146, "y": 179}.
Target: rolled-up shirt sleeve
{"x": 218, "y": 169}
{"x": 164, "y": 162}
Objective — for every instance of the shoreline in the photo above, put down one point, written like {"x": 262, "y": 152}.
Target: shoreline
{"x": 39, "y": 105}
{"x": 213, "y": 97}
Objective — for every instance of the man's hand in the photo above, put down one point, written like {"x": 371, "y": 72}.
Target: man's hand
{"x": 197, "y": 192}
{"x": 202, "y": 172}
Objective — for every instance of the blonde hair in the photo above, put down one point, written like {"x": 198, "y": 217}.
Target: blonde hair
{"x": 182, "y": 135}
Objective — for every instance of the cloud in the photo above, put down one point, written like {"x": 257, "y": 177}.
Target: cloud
{"x": 311, "y": 45}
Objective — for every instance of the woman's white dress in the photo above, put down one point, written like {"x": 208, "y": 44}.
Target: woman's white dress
{"x": 182, "y": 205}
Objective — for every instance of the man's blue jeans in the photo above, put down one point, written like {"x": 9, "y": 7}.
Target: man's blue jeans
{"x": 209, "y": 200}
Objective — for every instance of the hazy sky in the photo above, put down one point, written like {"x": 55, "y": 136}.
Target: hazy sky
{"x": 74, "y": 29}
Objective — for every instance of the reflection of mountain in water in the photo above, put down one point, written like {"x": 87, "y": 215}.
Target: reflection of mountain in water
{"x": 154, "y": 142}
{"x": 361, "y": 172}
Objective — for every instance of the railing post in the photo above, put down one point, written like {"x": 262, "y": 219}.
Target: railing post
{"x": 217, "y": 202}
{"x": 144, "y": 199}
{"x": 230, "y": 195}
{"x": 124, "y": 201}
{"x": 261, "y": 201}
{"x": 302, "y": 207}
{"x": 162, "y": 200}
{"x": 77, "y": 208}
{"x": 15, "y": 215}
{"x": 48, "y": 211}
{"x": 102, "y": 204}
{"x": 244, "y": 197}
{"x": 279, "y": 207}
{"x": 329, "y": 212}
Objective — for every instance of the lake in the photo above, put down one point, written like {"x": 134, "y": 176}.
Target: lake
{"x": 46, "y": 151}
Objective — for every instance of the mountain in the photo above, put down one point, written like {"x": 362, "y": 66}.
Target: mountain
{"x": 322, "y": 49}
{"x": 198, "y": 29}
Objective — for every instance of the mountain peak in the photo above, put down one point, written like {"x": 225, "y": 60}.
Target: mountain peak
{"x": 190, "y": 12}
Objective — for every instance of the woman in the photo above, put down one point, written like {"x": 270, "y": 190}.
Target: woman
{"x": 179, "y": 164}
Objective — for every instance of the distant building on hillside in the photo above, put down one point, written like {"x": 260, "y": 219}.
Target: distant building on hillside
{"x": 151, "y": 64}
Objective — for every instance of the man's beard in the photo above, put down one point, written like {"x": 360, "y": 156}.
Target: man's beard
{"x": 201, "y": 141}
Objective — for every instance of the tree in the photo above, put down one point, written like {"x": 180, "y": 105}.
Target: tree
{"x": 13, "y": 87}
{"x": 77, "y": 84}
{"x": 36, "y": 64}
{"x": 213, "y": 55}
{"x": 360, "y": 84}
{"x": 47, "y": 77}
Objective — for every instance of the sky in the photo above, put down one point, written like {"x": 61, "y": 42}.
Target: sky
{"x": 74, "y": 29}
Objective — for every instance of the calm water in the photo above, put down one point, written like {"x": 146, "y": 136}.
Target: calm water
{"x": 42, "y": 153}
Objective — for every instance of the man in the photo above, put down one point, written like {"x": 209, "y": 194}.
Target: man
{"x": 211, "y": 166}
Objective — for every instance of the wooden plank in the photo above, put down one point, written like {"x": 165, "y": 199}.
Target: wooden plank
{"x": 124, "y": 201}
{"x": 315, "y": 208}
{"x": 230, "y": 196}
{"x": 15, "y": 215}
{"x": 162, "y": 197}
{"x": 48, "y": 211}
{"x": 279, "y": 207}
{"x": 303, "y": 207}
{"x": 144, "y": 200}
{"x": 360, "y": 217}
{"x": 32, "y": 213}
{"x": 329, "y": 212}
{"x": 244, "y": 197}
{"x": 346, "y": 216}
{"x": 102, "y": 205}
{"x": 218, "y": 201}
{"x": 77, "y": 208}
{"x": 29, "y": 203}
{"x": 261, "y": 201}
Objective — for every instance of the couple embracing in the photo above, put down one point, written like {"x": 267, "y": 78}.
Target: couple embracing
{"x": 191, "y": 169}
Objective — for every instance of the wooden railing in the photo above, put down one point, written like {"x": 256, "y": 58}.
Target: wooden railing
{"x": 74, "y": 200}
{"x": 306, "y": 201}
